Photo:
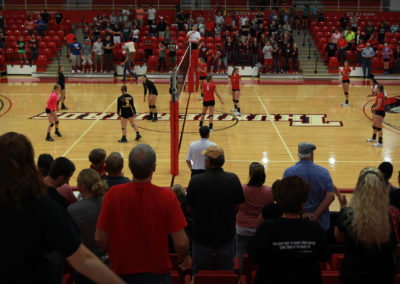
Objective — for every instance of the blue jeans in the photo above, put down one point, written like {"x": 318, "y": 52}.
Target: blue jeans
{"x": 203, "y": 256}
{"x": 147, "y": 278}
{"x": 366, "y": 64}
{"x": 241, "y": 248}
{"x": 341, "y": 54}
{"x": 127, "y": 67}
{"x": 276, "y": 65}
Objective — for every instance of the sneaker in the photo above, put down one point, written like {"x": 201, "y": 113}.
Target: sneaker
{"x": 201, "y": 98}
{"x": 138, "y": 137}
{"x": 79, "y": 71}
{"x": 91, "y": 71}
{"x": 149, "y": 117}
{"x": 48, "y": 138}
{"x": 238, "y": 113}
{"x": 73, "y": 71}
{"x": 123, "y": 140}
{"x": 64, "y": 108}
{"x": 234, "y": 110}
{"x": 345, "y": 105}
{"x": 377, "y": 144}
{"x": 211, "y": 130}
{"x": 370, "y": 140}
{"x": 154, "y": 119}
{"x": 105, "y": 72}
{"x": 58, "y": 133}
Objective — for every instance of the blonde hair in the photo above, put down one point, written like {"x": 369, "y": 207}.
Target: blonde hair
{"x": 370, "y": 204}
{"x": 179, "y": 190}
{"x": 90, "y": 179}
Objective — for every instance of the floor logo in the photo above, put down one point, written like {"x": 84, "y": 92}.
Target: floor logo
{"x": 293, "y": 119}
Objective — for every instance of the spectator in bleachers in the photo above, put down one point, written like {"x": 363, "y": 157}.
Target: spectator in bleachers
{"x": 22, "y": 50}
{"x": 200, "y": 18}
{"x": 267, "y": 53}
{"x": 96, "y": 31}
{"x": 354, "y": 22}
{"x": 43, "y": 163}
{"x": 139, "y": 13}
{"x": 396, "y": 56}
{"x": 189, "y": 21}
{"x": 290, "y": 243}
{"x": 140, "y": 238}
{"x": 369, "y": 30}
{"x": 295, "y": 58}
{"x": 381, "y": 33}
{"x": 272, "y": 210}
{"x": 358, "y": 38}
{"x": 219, "y": 18}
{"x": 117, "y": 33}
{"x": 218, "y": 31}
{"x": 221, "y": 57}
{"x": 286, "y": 28}
{"x": 304, "y": 16}
{"x": 162, "y": 27}
{"x": 2, "y": 39}
{"x": 151, "y": 11}
{"x": 125, "y": 14}
{"x": 229, "y": 48}
{"x": 87, "y": 56}
{"x": 336, "y": 36}
{"x": 28, "y": 211}
{"x": 245, "y": 30}
{"x": 276, "y": 54}
{"x": 321, "y": 186}
{"x": 256, "y": 196}
{"x": 394, "y": 193}
{"x": 85, "y": 212}
{"x": 342, "y": 48}
{"x": 46, "y": 18}
{"x": 350, "y": 38}
{"x": 98, "y": 55}
{"x": 153, "y": 29}
{"x": 172, "y": 48}
{"x": 58, "y": 17}
{"x": 108, "y": 46}
{"x": 344, "y": 21}
{"x": 202, "y": 28}
{"x": 114, "y": 166}
{"x": 213, "y": 199}
{"x": 367, "y": 232}
{"x": 359, "y": 49}
{"x": 386, "y": 56}
{"x": 126, "y": 32}
{"x": 97, "y": 158}
{"x": 76, "y": 56}
{"x": 2, "y": 21}
{"x": 254, "y": 48}
{"x": 113, "y": 18}
{"x": 167, "y": 36}
{"x": 30, "y": 25}
{"x": 87, "y": 32}
{"x": 135, "y": 33}
{"x": 210, "y": 28}
{"x": 180, "y": 20}
{"x": 366, "y": 54}
{"x": 321, "y": 16}
{"x": 395, "y": 28}
{"x": 287, "y": 53}
{"x": 34, "y": 46}
{"x": 162, "y": 64}
{"x": 40, "y": 26}
{"x": 314, "y": 12}
{"x": 193, "y": 37}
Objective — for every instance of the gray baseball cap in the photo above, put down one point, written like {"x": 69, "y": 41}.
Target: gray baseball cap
{"x": 306, "y": 148}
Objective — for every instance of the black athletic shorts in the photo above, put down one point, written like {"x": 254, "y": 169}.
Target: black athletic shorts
{"x": 202, "y": 77}
{"x": 126, "y": 113}
{"x": 209, "y": 103}
{"x": 386, "y": 60}
{"x": 346, "y": 81}
{"x": 62, "y": 86}
{"x": 234, "y": 90}
{"x": 48, "y": 110}
{"x": 380, "y": 113}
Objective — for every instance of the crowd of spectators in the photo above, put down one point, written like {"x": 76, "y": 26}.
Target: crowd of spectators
{"x": 132, "y": 225}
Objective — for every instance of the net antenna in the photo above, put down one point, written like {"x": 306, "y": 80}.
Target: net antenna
{"x": 182, "y": 77}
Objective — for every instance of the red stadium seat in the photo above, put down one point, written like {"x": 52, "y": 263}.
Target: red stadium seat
{"x": 41, "y": 63}
{"x": 218, "y": 277}
{"x": 330, "y": 277}
{"x": 336, "y": 261}
{"x": 333, "y": 64}
{"x": 152, "y": 63}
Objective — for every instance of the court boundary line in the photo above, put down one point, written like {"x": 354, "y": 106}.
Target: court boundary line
{"x": 86, "y": 131}
{"x": 276, "y": 128}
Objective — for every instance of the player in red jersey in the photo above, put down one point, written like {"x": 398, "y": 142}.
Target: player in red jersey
{"x": 346, "y": 82}
{"x": 51, "y": 108}
{"x": 379, "y": 114}
{"x": 209, "y": 100}
{"x": 202, "y": 74}
{"x": 235, "y": 84}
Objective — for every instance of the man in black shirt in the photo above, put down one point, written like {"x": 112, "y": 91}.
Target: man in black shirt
{"x": 46, "y": 19}
{"x": 331, "y": 50}
{"x": 58, "y": 17}
{"x": 161, "y": 27}
{"x": 369, "y": 30}
{"x": 213, "y": 199}
{"x": 108, "y": 45}
{"x": 344, "y": 21}
{"x": 394, "y": 193}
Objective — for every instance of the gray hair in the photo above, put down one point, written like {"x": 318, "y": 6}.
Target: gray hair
{"x": 142, "y": 160}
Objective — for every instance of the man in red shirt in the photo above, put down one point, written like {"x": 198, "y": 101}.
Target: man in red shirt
{"x": 342, "y": 47}
{"x": 135, "y": 221}
{"x": 209, "y": 101}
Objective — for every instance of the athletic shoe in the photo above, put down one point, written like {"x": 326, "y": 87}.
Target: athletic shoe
{"x": 370, "y": 140}
{"x": 377, "y": 144}
{"x": 138, "y": 137}
{"x": 345, "y": 105}
{"x": 123, "y": 140}
{"x": 105, "y": 72}
{"x": 238, "y": 113}
{"x": 201, "y": 98}
{"x": 64, "y": 108}
{"x": 73, "y": 71}
{"x": 48, "y": 138}
{"x": 154, "y": 119}
{"x": 149, "y": 117}
{"x": 58, "y": 133}
{"x": 234, "y": 110}
{"x": 211, "y": 130}
{"x": 79, "y": 71}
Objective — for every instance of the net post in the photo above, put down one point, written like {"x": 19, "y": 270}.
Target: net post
{"x": 194, "y": 59}
{"x": 174, "y": 126}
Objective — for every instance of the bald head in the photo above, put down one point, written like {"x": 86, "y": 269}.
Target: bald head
{"x": 142, "y": 161}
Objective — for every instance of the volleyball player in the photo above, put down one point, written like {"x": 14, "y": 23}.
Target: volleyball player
{"x": 126, "y": 110}
{"x": 152, "y": 98}
{"x": 379, "y": 114}
{"x": 202, "y": 74}
{"x": 346, "y": 82}
{"x": 235, "y": 84}
{"x": 375, "y": 87}
{"x": 209, "y": 100}
{"x": 51, "y": 108}
{"x": 61, "y": 82}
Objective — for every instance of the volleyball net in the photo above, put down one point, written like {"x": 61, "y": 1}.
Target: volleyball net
{"x": 182, "y": 81}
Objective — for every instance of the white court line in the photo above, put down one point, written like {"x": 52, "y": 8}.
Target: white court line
{"x": 87, "y": 130}
{"x": 276, "y": 128}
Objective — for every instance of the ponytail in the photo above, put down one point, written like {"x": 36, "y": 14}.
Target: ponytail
{"x": 99, "y": 189}
{"x": 90, "y": 179}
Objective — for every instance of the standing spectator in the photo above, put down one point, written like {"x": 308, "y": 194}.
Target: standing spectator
{"x": 213, "y": 199}
{"x": 126, "y": 64}
{"x": 108, "y": 46}
{"x": 342, "y": 47}
{"x": 237, "y": 47}
{"x": 254, "y": 48}
{"x": 2, "y": 39}
{"x": 221, "y": 57}
{"x": 381, "y": 33}
{"x": 314, "y": 12}
{"x": 85, "y": 212}
{"x": 219, "y": 18}
{"x": 202, "y": 28}
{"x": 200, "y": 19}
{"x": 267, "y": 51}
{"x": 336, "y": 36}
{"x": 135, "y": 33}
{"x": 69, "y": 39}
{"x": 358, "y": 38}
{"x": 22, "y": 50}
{"x": 359, "y": 49}
{"x": 114, "y": 167}
{"x": 153, "y": 29}
{"x": 151, "y": 15}
{"x": 189, "y": 21}
{"x": 193, "y": 37}
{"x": 195, "y": 158}
{"x": 113, "y": 18}
{"x": 289, "y": 243}
{"x": 2, "y": 21}
{"x": 98, "y": 55}
{"x": 344, "y": 21}
{"x": 34, "y": 46}
{"x": 162, "y": 64}
{"x": 387, "y": 55}
{"x": 40, "y": 25}
{"x": 126, "y": 33}
{"x": 96, "y": 31}
{"x": 229, "y": 48}
{"x": 172, "y": 48}
{"x": 167, "y": 36}
{"x": 161, "y": 27}
{"x": 75, "y": 56}
{"x": 295, "y": 58}
{"x": 321, "y": 186}
{"x": 286, "y": 28}
{"x": 395, "y": 28}
{"x": 58, "y": 17}
{"x": 138, "y": 243}
{"x": 366, "y": 55}
{"x": 276, "y": 57}
{"x": 148, "y": 47}
{"x": 117, "y": 34}
{"x": 394, "y": 194}
{"x": 396, "y": 56}
{"x": 30, "y": 25}
{"x": 287, "y": 55}
{"x": 369, "y": 30}
{"x": 87, "y": 55}
{"x": 354, "y": 22}
{"x": 256, "y": 196}
{"x": 244, "y": 31}
{"x": 97, "y": 158}
{"x": 210, "y": 28}
{"x": 304, "y": 16}
{"x": 140, "y": 14}
{"x": 46, "y": 18}
{"x": 367, "y": 232}
{"x": 180, "y": 20}
{"x": 350, "y": 37}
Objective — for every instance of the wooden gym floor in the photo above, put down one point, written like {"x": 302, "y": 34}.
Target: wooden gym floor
{"x": 289, "y": 112}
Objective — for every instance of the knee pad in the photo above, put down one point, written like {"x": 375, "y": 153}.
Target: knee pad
{"x": 51, "y": 124}
{"x": 379, "y": 129}
{"x": 133, "y": 125}
{"x": 123, "y": 128}
{"x": 57, "y": 122}
{"x": 203, "y": 114}
{"x": 152, "y": 106}
{"x": 373, "y": 127}
{"x": 346, "y": 93}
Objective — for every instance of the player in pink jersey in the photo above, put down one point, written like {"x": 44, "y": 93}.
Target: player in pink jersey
{"x": 52, "y": 106}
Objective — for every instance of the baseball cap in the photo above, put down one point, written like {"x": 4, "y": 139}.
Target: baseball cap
{"x": 306, "y": 148}
{"x": 213, "y": 152}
